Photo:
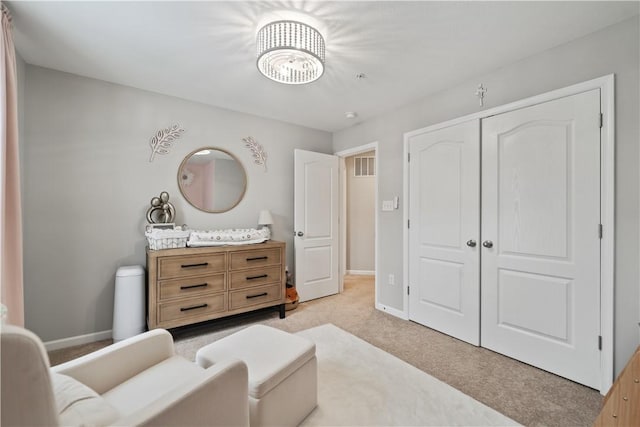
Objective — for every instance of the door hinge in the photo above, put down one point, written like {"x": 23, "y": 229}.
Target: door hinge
{"x": 408, "y": 291}
{"x": 408, "y": 157}
{"x": 600, "y": 231}
{"x": 599, "y": 342}
{"x": 601, "y": 120}
{"x": 408, "y": 223}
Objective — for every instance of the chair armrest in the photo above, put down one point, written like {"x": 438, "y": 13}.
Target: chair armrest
{"x": 27, "y": 394}
{"x": 220, "y": 397}
{"x": 104, "y": 369}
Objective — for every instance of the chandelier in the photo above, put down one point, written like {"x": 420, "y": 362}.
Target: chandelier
{"x": 290, "y": 52}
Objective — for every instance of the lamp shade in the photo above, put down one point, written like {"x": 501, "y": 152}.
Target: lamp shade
{"x": 265, "y": 218}
{"x": 290, "y": 52}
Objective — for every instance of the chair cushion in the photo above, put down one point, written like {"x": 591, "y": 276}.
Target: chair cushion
{"x": 271, "y": 355}
{"x": 79, "y": 405}
{"x": 151, "y": 384}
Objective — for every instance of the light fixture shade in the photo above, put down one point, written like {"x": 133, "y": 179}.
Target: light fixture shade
{"x": 290, "y": 52}
{"x": 265, "y": 218}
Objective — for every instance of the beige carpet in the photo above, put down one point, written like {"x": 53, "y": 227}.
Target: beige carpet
{"x": 361, "y": 385}
{"x": 528, "y": 395}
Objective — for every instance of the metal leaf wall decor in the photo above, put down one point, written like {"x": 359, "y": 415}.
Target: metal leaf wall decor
{"x": 259, "y": 155}
{"x": 161, "y": 142}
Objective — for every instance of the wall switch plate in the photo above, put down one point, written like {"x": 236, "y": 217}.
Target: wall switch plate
{"x": 392, "y": 279}
{"x": 387, "y": 205}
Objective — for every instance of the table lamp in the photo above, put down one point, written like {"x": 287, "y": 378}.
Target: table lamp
{"x": 265, "y": 219}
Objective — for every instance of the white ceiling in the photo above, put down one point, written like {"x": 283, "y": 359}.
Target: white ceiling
{"x": 205, "y": 51}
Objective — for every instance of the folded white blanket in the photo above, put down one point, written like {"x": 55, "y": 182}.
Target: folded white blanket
{"x": 234, "y": 236}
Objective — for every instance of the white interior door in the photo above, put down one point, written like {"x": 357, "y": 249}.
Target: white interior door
{"x": 444, "y": 214}
{"x": 541, "y": 247}
{"x": 316, "y": 209}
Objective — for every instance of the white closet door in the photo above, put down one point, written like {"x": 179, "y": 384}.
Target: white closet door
{"x": 540, "y": 212}
{"x": 444, "y": 215}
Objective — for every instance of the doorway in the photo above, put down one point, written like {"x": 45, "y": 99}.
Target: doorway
{"x": 359, "y": 212}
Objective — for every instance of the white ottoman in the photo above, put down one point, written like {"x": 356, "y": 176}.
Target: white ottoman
{"x": 283, "y": 372}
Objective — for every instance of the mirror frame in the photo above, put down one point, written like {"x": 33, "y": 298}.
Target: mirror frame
{"x": 244, "y": 189}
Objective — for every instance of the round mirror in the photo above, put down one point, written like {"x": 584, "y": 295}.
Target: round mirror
{"x": 212, "y": 179}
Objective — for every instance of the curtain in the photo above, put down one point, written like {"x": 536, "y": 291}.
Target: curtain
{"x": 11, "y": 223}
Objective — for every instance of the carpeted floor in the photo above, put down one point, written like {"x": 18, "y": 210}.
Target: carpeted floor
{"x": 528, "y": 395}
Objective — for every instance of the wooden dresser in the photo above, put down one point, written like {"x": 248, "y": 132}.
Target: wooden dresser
{"x": 191, "y": 285}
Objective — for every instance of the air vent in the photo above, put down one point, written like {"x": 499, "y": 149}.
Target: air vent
{"x": 364, "y": 166}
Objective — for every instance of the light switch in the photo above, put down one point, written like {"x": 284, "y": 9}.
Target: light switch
{"x": 387, "y": 205}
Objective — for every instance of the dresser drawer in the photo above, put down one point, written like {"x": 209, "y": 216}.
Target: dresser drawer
{"x": 255, "y": 277}
{"x": 191, "y": 286}
{"x": 191, "y": 265}
{"x": 254, "y": 296}
{"x": 254, "y": 258}
{"x": 192, "y": 307}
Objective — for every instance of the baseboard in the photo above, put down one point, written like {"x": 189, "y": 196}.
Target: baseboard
{"x": 361, "y": 272}
{"x": 392, "y": 311}
{"x": 77, "y": 340}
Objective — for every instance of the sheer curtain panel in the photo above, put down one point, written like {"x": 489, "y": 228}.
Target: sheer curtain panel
{"x": 11, "y": 227}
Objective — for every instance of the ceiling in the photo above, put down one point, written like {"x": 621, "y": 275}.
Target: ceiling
{"x": 205, "y": 51}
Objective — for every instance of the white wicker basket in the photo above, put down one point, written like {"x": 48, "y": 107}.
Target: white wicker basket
{"x": 167, "y": 239}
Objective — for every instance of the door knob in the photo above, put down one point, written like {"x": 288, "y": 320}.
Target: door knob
{"x": 471, "y": 243}
{"x": 487, "y": 244}
{"x": 300, "y": 234}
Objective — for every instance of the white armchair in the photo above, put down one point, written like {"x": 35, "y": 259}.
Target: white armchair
{"x": 138, "y": 381}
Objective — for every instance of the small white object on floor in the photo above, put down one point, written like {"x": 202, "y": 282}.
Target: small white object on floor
{"x": 128, "y": 302}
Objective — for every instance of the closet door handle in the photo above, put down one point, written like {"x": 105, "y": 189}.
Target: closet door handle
{"x": 471, "y": 243}
{"x": 487, "y": 244}
{"x": 300, "y": 234}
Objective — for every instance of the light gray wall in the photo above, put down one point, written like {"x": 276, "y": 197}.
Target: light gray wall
{"x": 361, "y": 205}
{"x": 612, "y": 50}
{"x": 89, "y": 182}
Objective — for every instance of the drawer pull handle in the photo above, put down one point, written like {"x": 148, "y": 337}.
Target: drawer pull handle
{"x": 201, "y": 285}
{"x": 202, "y": 264}
{"x": 257, "y": 258}
{"x": 258, "y": 295}
{"x": 194, "y": 307}
{"x": 262, "y": 276}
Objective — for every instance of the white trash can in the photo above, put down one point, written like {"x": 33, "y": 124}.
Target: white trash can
{"x": 128, "y": 303}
